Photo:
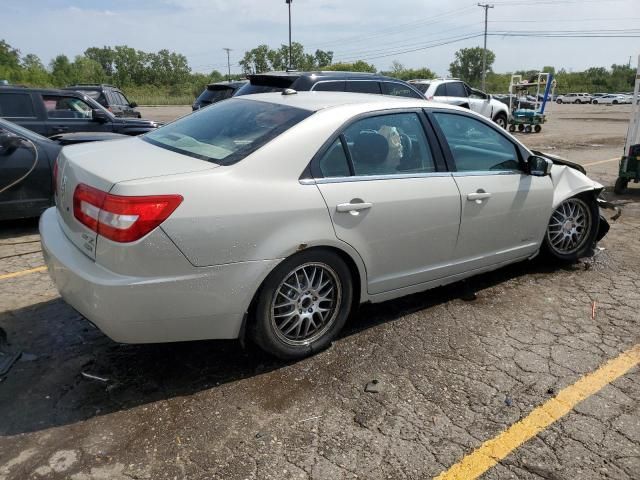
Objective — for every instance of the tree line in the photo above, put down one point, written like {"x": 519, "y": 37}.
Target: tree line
{"x": 168, "y": 73}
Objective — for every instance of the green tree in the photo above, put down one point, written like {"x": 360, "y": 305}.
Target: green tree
{"x": 468, "y": 65}
{"x": 61, "y": 71}
{"x": 33, "y": 71}
{"x": 86, "y": 70}
{"x": 359, "y": 66}
{"x": 105, "y": 56}
{"x": 256, "y": 60}
{"x": 399, "y": 71}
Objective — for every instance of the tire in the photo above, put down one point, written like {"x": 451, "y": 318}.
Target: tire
{"x": 299, "y": 284}
{"x": 501, "y": 120}
{"x": 621, "y": 185}
{"x": 559, "y": 100}
{"x": 512, "y": 128}
{"x": 578, "y": 101}
{"x": 615, "y": 102}
{"x": 595, "y": 102}
{"x": 568, "y": 238}
{"x": 521, "y": 128}
{"x": 537, "y": 128}
{"x": 527, "y": 129}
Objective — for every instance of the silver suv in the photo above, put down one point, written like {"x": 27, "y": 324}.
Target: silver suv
{"x": 456, "y": 92}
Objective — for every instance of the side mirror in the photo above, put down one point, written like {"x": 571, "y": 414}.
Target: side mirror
{"x": 133, "y": 104}
{"x": 9, "y": 143}
{"x": 489, "y": 97}
{"x": 99, "y": 115}
{"x": 539, "y": 166}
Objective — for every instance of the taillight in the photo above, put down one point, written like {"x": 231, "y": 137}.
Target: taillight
{"x": 121, "y": 218}
{"x": 55, "y": 177}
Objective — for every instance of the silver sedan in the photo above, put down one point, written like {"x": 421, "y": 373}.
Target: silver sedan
{"x": 274, "y": 215}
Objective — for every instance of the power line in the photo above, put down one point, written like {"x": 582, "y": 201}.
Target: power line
{"x": 228, "y": 64}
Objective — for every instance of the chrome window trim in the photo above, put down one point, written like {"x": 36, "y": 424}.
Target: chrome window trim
{"x": 370, "y": 178}
{"x": 476, "y": 173}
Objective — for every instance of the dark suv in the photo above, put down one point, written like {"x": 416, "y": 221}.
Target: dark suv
{"x": 109, "y": 97}
{"x": 328, "y": 81}
{"x": 216, "y": 92}
{"x": 49, "y": 112}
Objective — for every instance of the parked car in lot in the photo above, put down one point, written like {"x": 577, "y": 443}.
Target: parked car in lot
{"x": 610, "y": 99}
{"x": 276, "y": 214}
{"x": 574, "y": 98}
{"x": 214, "y": 92}
{"x": 24, "y": 153}
{"x": 49, "y": 112}
{"x": 355, "y": 82}
{"x": 110, "y": 97}
{"x": 456, "y": 92}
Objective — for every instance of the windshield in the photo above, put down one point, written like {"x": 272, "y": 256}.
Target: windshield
{"x": 212, "y": 95}
{"x": 21, "y": 131}
{"x": 250, "y": 88}
{"x": 228, "y": 131}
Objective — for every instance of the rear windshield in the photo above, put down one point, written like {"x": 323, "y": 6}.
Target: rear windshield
{"x": 215, "y": 95}
{"x": 228, "y": 131}
{"x": 250, "y": 88}
{"x": 423, "y": 87}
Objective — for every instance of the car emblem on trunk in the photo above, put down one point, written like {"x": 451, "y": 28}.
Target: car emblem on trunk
{"x": 63, "y": 187}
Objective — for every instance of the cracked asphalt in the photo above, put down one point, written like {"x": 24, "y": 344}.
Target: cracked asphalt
{"x": 455, "y": 367}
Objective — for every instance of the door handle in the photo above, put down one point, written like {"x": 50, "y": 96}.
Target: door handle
{"x": 353, "y": 208}
{"x": 478, "y": 196}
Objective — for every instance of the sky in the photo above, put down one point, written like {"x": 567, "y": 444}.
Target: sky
{"x": 374, "y": 30}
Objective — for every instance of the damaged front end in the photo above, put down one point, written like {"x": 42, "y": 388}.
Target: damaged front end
{"x": 570, "y": 179}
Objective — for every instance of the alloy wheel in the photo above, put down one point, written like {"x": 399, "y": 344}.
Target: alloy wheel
{"x": 306, "y": 303}
{"x": 569, "y": 226}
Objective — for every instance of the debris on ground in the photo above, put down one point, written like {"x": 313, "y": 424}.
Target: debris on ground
{"x": 94, "y": 377}
{"x": 373, "y": 386}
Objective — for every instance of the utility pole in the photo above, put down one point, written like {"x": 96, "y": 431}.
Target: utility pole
{"x": 228, "y": 64}
{"x": 486, "y": 7}
{"x": 288, "y": 2}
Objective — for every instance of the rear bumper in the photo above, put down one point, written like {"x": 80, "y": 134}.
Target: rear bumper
{"x": 208, "y": 303}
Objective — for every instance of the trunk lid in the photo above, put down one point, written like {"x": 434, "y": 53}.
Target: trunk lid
{"x": 102, "y": 165}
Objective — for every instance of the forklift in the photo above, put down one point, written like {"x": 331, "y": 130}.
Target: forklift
{"x": 629, "y": 169}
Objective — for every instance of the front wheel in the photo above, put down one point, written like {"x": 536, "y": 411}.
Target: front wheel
{"x": 303, "y": 304}
{"x": 559, "y": 100}
{"x": 578, "y": 102}
{"x": 595, "y": 102}
{"x": 572, "y": 229}
{"x": 501, "y": 120}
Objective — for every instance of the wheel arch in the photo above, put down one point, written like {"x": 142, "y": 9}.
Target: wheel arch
{"x": 345, "y": 252}
{"x": 569, "y": 182}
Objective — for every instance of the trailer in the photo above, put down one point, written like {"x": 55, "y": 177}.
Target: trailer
{"x": 529, "y": 119}
{"x": 629, "y": 168}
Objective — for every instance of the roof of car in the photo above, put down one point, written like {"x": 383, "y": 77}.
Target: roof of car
{"x": 314, "y": 101}
{"x": 49, "y": 91}
{"x": 317, "y": 73}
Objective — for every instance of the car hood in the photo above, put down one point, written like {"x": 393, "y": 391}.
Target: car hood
{"x": 83, "y": 137}
{"x": 560, "y": 161}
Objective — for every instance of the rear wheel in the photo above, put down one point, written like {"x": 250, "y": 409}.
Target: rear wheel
{"x": 520, "y": 128}
{"x": 303, "y": 304}
{"x": 512, "y": 128}
{"x": 615, "y": 102}
{"x": 537, "y": 128}
{"x": 559, "y": 100}
{"x": 595, "y": 102}
{"x": 572, "y": 229}
{"x": 578, "y": 101}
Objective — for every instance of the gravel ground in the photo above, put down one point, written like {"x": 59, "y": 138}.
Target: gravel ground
{"x": 455, "y": 366}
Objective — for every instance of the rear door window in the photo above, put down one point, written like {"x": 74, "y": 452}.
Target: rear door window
{"x": 456, "y": 89}
{"x": 398, "y": 90}
{"x": 363, "y": 86}
{"x": 16, "y": 105}
{"x": 334, "y": 162}
{"x": 333, "y": 86}
{"x": 389, "y": 145}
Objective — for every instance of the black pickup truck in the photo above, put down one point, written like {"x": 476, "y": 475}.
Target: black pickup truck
{"x": 51, "y": 112}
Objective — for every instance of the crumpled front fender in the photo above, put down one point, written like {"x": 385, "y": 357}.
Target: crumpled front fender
{"x": 569, "y": 182}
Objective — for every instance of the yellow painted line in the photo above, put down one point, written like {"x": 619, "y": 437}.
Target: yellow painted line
{"x": 494, "y": 450}
{"x": 617, "y": 159}
{"x": 22, "y": 272}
